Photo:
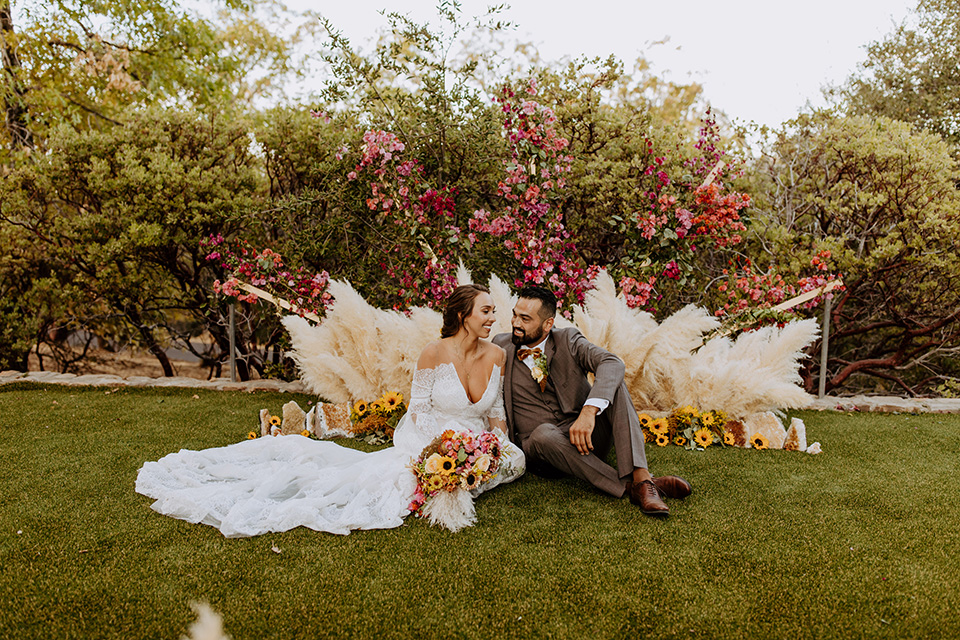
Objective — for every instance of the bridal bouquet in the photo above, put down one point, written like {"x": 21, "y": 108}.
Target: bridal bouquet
{"x": 447, "y": 469}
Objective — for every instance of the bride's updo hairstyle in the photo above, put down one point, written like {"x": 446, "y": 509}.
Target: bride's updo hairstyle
{"x": 459, "y": 306}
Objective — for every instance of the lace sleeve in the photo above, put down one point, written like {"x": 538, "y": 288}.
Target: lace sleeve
{"x": 419, "y": 423}
{"x": 497, "y": 415}
{"x": 421, "y": 393}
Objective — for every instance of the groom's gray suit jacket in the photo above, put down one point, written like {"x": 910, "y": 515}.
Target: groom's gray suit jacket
{"x": 570, "y": 357}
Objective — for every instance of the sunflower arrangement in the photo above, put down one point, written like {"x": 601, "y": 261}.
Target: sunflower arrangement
{"x": 375, "y": 421}
{"x": 272, "y": 427}
{"x": 686, "y": 427}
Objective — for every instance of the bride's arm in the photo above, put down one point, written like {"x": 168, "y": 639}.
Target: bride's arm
{"x": 420, "y": 408}
{"x": 497, "y": 415}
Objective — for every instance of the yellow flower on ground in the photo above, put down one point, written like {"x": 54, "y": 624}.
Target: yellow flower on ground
{"x": 275, "y": 421}
{"x": 662, "y": 440}
{"x": 432, "y": 465}
{"x": 680, "y": 441}
{"x": 391, "y": 399}
{"x": 645, "y": 420}
{"x": 708, "y": 419}
{"x": 729, "y": 438}
{"x": 360, "y": 407}
{"x": 252, "y": 435}
{"x": 660, "y": 427}
{"x": 758, "y": 441}
{"x": 688, "y": 412}
{"x": 682, "y": 417}
{"x": 305, "y": 433}
{"x": 703, "y": 437}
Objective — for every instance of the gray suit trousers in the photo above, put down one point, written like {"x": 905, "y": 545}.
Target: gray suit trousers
{"x": 548, "y": 447}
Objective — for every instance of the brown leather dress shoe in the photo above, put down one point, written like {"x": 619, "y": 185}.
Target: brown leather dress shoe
{"x": 673, "y": 487}
{"x": 646, "y": 496}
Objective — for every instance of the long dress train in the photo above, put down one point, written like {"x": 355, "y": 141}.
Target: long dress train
{"x": 278, "y": 483}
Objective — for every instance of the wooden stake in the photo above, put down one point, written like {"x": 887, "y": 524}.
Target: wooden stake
{"x": 809, "y": 295}
{"x": 233, "y": 343}
{"x": 713, "y": 174}
{"x": 279, "y": 302}
{"x": 824, "y": 347}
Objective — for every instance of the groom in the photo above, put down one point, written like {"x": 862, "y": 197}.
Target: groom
{"x": 561, "y": 422}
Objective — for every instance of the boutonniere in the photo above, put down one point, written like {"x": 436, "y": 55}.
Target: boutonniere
{"x": 540, "y": 371}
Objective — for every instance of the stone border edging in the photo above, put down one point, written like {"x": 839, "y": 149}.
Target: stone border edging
{"x": 107, "y": 380}
{"x": 879, "y": 404}
{"x": 886, "y": 404}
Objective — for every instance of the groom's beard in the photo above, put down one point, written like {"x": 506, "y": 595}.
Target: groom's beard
{"x": 523, "y": 337}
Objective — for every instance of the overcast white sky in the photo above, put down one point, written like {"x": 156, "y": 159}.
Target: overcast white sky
{"x": 758, "y": 60}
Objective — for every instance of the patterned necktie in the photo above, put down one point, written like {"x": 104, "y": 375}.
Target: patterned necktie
{"x": 523, "y": 353}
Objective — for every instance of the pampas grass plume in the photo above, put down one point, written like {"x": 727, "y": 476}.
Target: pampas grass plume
{"x": 359, "y": 351}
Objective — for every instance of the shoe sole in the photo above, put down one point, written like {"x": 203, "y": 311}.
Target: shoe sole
{"x": 649, "y": 512}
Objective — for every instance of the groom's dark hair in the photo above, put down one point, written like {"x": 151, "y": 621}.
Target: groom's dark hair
{"x": 546, "y": 298}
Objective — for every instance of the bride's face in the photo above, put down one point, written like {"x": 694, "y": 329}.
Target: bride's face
{"x": 481, "y": 319}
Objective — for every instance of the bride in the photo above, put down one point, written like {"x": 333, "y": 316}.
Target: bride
{"x": 276, "y": 484}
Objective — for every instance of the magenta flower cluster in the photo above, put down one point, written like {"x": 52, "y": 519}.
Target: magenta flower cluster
{"x": 427, "y": 275}
{"x": 531, "y": 226}
{"x": 682, "y": 216}
{"x": 305, "y": 291}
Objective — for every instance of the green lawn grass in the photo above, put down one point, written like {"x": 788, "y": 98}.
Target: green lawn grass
{"x": 861, "y": 541}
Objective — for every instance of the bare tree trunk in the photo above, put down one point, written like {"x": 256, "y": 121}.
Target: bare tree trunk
{"x": 156, "y": 350}
{"x": 162, "y": 358}
{"x": 151, "y": 342}
{"x": 15, "y": 107}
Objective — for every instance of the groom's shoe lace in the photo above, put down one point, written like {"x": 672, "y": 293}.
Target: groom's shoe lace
{"x": 646, "y": 496}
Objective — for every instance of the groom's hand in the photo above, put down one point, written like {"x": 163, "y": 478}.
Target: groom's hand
{"x": 581, "y": 430}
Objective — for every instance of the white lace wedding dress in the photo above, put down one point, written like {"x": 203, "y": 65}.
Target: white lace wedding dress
{"x": 274, "y": 484}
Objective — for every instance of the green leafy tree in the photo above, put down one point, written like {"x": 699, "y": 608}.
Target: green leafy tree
{"x": 913, "y": 74}
{"x": 83, "y": 63}
{"x": 109, "y": 227}
{"x": 881, "y": 198}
